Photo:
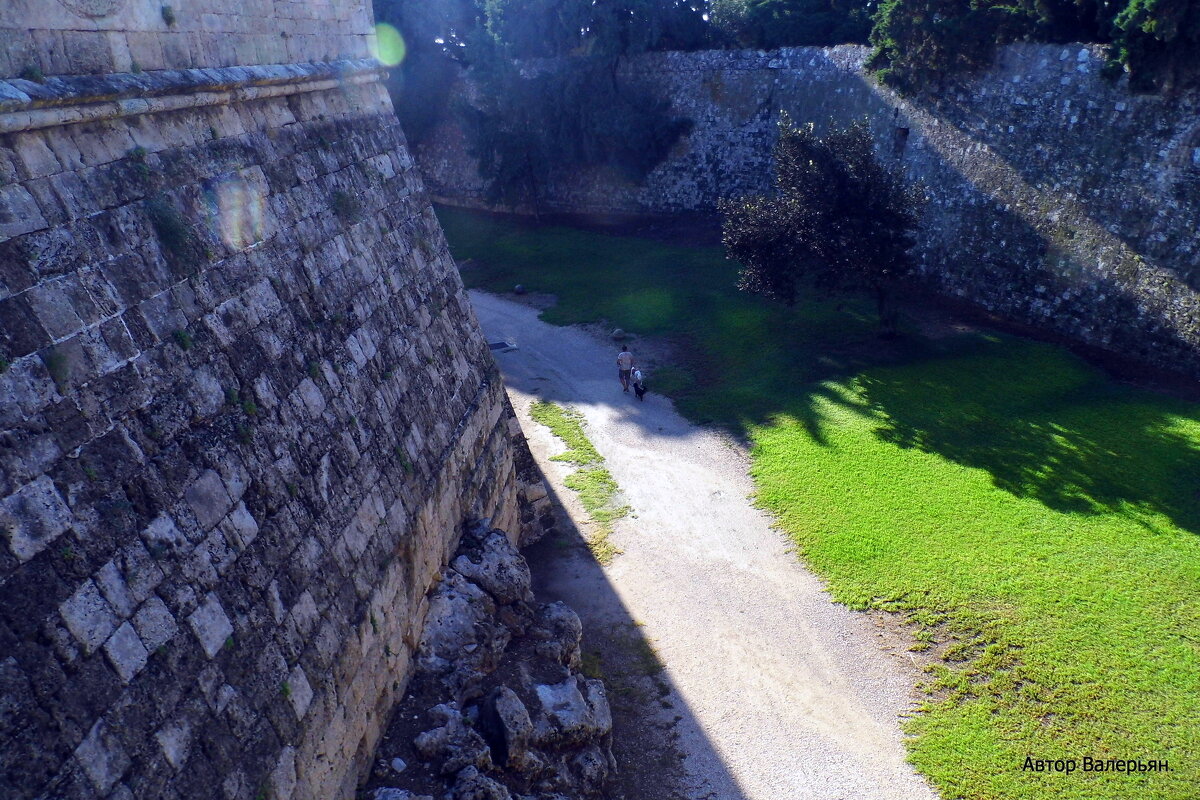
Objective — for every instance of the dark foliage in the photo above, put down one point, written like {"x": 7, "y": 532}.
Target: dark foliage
{"x": 576, "y": 115}
{"x": 838, "y": 218}
{"x": 181, "y": 247}
{"x": 1159, "y": 41}
{"x": 768, "y": 24}
{"x": 546, "y": 28}
{"x": 435, "y": 36}
{"x": 918, "y": 42}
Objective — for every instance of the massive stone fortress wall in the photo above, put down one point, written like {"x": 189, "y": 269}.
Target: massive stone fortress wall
{"x": 1057, "y": 197}
{"x": 245, "y": 410}
{"x": 91, "y": 37}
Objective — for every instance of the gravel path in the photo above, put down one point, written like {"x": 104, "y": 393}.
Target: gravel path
{"x": 787, "y": 695}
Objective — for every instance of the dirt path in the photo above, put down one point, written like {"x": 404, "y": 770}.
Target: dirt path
{"x": 780, "y": 694}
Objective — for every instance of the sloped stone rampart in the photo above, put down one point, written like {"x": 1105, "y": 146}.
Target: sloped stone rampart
{"x": 1057, "y": 197}
{"x": 245, "y": 411}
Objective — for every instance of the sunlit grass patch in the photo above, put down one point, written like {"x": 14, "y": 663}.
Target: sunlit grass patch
{"x": 594, "y": 485}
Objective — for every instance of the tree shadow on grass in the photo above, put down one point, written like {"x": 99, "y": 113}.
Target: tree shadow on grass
{"x": 1048, "y": 427}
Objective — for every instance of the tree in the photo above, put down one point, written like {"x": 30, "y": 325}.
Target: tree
{"x": 768, "y": 24}
{"x": 917, "y": 42}
{"x": 1159, "y": 40}
{"x": 838, "y": 217}
{"x": 435, "y": 35}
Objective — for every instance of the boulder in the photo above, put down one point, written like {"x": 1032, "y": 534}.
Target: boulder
{"x": 452, "y": 746}
{"x": 573, "y": 712}
{"x": 462, "y": 640}
{"x": 557, "y": 631}
{"x": 388, "y": 793}
{"x": 516, "y": 729}
{"x": 471, "y": 784}
{"x": 493, "y": 564}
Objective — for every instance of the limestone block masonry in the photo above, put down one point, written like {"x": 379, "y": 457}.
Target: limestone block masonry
{"x": 245, "y": 407}
{"x": 1057, "y": 197}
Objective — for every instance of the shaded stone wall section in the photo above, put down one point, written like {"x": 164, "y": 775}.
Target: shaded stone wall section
{"x": 245, "y": 410}
{"x": 1056, "y": 197}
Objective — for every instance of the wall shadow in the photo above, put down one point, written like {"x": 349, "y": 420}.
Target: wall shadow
{"x": 648, "y": 711}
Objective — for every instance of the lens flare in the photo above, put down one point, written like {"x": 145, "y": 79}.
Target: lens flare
{"x": 390, "y": 48}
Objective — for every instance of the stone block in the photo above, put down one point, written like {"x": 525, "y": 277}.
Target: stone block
{"x": 35, "y": 159}
{"x": 283, "y": 777}
{"x": 112, "y": 586}
{"x": 175, "y": 739}
{"x": 163, "y": 538}
{"x": 33, "y": 517}
{"x": 19, "y": 212}
{"x": 211, "y": 625}
{"x": 311, "y": 398}
{"x": 154, "y": 624}
{"x": 240, "y": 527}
{"x": 89, "y": 52}
{"x": 102, "y": 757}
{"x": 300, "y": 692}
{"x": 208, "y": 499}
{"x": 126, "y": 652}
{"x": 88, "y": 616}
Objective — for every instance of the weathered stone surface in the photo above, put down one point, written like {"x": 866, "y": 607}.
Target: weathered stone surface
{"x": 33, "y": 517}
{"x": 89, "y": 617}
{"x": 452, "y": 745}
{"x": 244, "y": 419}
{"x": 154, "y": 624}
{"x": 516, "y": 726}
{"x": 496, "y": 567}
{"x": 558, "y": 631}
{"x": 102, "y": 757}
{"x": 573, "y": 711}
{"x": 208, "y": 498}
{"x": 462, "y": 638}
{"x": 470, "y": 784}
{"x": 211, "y": 625}
{"x": 126, "y": 652}
{"x": 529, "y": 721}
{"x": 387, "y": 793}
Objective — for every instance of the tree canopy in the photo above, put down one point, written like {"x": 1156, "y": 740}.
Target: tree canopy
{"x": 838, "y": 218}
{"x": 916, "y": 41}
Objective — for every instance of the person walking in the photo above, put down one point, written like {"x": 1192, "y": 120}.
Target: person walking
{"x": 624, "y": 367}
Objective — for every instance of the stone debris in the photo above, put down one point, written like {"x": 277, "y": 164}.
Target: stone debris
{"x": 452, "y": 746}
{"x": 498, "y": 709}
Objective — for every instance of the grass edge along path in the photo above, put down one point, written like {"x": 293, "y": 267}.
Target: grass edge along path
{"x": 591, "y": 482}
{"x": 1037, "y": 523}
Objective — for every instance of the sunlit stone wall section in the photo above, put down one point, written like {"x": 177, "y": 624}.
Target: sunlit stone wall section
{"x": 87, "y": 37}
{"x": 245, "y": 411}
{"x": 1057, "y": 197}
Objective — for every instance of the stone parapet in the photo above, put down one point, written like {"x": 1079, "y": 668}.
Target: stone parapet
{"x": 30, "y": 105}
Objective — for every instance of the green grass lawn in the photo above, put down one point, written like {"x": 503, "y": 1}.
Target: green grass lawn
{"x": 1038, "y": 523}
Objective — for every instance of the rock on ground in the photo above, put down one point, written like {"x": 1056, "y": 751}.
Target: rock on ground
{"x": 498, "y": 708}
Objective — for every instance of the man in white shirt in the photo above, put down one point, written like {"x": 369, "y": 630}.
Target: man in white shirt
{"x": 624, "y": 366}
